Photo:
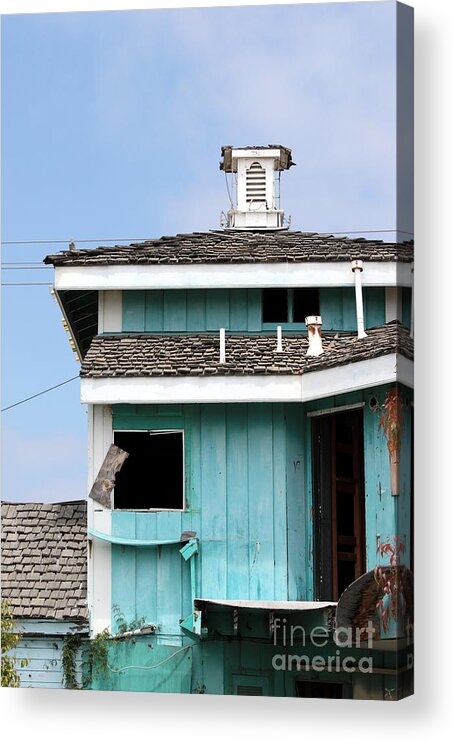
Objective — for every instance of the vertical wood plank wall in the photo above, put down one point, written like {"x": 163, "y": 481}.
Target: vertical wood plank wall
{"x": 240, "y": 310}
{"x": 248, "y": 492}
{"x": 240, "y": 475}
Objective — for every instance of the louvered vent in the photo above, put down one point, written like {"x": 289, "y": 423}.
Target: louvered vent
{"x": 249, "y": 690}
{"x": 255, "y": 184}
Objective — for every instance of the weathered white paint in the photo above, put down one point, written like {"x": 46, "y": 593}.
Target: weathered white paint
{"x": 41, "y": 644}
{"x": 314, "y": 323}
{"x": 393, "y": 303}
{"x": 295, "y": 388}
{"x": 255, "y": 215}
{"x": 99, "y": 518}
{"x": 43, "y": 627}
{"x": 45, "y": 665}
{"x": 227, "y": 275}
{"x": 110, "y": 311}
{"x": 255, "y": 154}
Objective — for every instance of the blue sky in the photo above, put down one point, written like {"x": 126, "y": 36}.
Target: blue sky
{"x": 112, "y": 124}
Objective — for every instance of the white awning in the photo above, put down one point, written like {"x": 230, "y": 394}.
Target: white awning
{"x": 265, "y": 605}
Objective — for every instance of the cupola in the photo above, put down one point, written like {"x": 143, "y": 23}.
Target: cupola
{"x": 254, "y": 188}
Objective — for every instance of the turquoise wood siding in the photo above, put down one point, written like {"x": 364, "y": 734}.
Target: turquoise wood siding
{"x": 248, "y": 491}
{"x": 241, "y": 474}
{"x": 385, "y": 515}
{"x": 193, "y": 310}
{"x": 406, "y": 298}
{"x": 168, "y": 670}
{"x": 338, "y": 311}
{"x": 239, "y": 310}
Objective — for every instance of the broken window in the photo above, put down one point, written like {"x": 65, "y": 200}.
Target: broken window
{"x": 152, "y": 477}
{"x": 289, "y": 305}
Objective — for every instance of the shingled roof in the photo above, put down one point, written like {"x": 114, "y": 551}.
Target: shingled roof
{"x": 198, "y": 354}
{"x": 234, "y": 246}
{"x": 44, "y": 559}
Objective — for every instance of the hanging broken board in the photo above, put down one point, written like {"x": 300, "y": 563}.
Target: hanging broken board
{"x": 105, "y": 481}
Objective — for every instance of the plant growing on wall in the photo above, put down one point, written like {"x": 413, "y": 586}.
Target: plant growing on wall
{"x": 389, "y": 581}
{"x": 97, "y": 658}
{"x": 10, "y": 638}
{"x": 391, "y": 423}
{"x": 71, "y": 646}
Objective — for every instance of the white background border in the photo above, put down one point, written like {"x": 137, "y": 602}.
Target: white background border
{"x": 71, "y": 715}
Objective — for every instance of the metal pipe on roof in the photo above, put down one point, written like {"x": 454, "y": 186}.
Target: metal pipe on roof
{"x": 279, "y": 339}
{"x": 222, "y": 345}
{"x": 357, "y": 268}
{"x": 314, "y": 324}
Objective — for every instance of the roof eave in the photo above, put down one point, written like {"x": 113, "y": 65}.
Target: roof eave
{"x": 306, "y": 387}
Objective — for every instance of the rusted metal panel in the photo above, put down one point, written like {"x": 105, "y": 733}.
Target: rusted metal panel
{"x": 105, "y": 481}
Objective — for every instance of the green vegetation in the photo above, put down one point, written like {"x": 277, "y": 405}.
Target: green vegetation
{"x": 10, "y": 638}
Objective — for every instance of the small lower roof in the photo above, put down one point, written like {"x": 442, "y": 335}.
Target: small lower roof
{"x": 152, "y": 355}
{"x": 44, "y": 559}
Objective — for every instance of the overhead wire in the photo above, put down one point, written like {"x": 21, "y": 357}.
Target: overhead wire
{"x": 145, "y": 239}
{"x": 39, "y": 394}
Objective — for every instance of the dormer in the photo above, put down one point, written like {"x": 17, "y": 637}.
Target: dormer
{"x": 255, "y": 186}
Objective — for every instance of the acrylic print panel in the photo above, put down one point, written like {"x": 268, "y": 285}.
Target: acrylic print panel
{"x": 230, "y": 226}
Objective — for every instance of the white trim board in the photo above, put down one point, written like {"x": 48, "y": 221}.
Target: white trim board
{"x": 99, "y": 596}
{"x": 293, "y": 388}
{"x": 228, "y": 275}
{"x": 110, "y": 311}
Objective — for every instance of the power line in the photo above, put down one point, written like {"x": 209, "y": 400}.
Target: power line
{"x": 144, "y": 239}
{"x": 38, "y": 394}
{"x": 67, "y": 241}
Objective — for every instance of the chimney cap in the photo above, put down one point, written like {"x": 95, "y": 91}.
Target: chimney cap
{"x": 313, "y": 319}
{"x": 230, "y": 155}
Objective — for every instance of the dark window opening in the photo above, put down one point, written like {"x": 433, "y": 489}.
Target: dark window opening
{"x": 275, "y": 305}
{"x": 314, "y": 689}
{"x": 152, "y": 475}
{"x": 289, "y": 305}
{"x": 339, "y": 502}
{"x": 305, "y": 304}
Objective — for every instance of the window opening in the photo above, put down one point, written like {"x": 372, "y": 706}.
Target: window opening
{"x": 152, "y": 477}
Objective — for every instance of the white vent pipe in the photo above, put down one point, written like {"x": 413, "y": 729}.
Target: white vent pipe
{"x": 279, "y": 339}
{"x": 222, "y": 345}
{"x": 314, "y": 323}
{"x": 357, "y": 268}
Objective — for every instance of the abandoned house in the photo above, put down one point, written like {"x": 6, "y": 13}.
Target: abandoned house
{"x": 249, "y": 394}
{"x": 44, "y": 580}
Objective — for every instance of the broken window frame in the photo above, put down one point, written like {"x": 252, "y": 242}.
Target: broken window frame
{"x": 290, "y": 323}
{"x": 154, "y": 431}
